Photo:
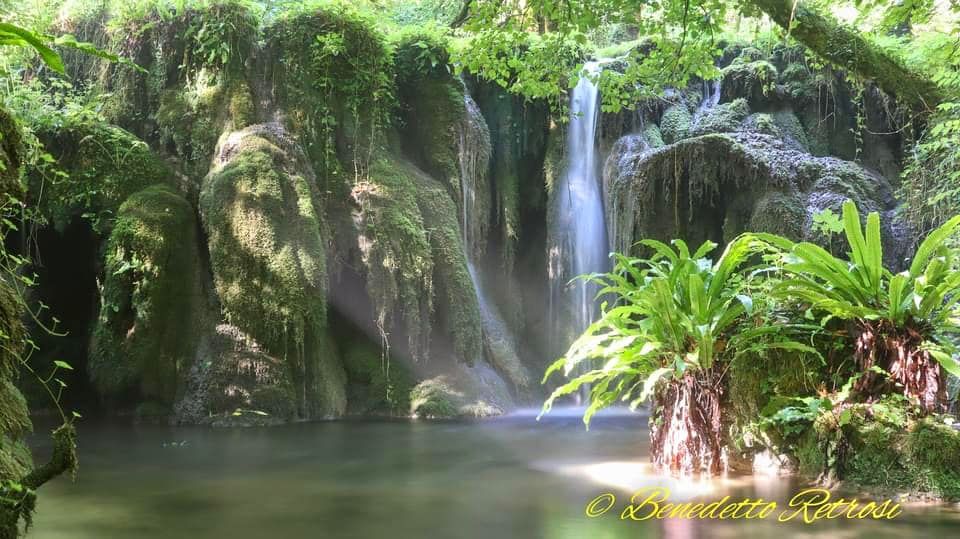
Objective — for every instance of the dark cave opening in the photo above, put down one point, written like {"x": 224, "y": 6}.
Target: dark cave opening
{"x": 66, "y": 269}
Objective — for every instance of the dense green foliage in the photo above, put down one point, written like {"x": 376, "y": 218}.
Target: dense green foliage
{"x": 673, "y": 313}
{"x": 253, "y": 173}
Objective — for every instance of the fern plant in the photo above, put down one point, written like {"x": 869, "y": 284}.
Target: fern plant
{"x": 668, "y": 336}
{"x": 900, "y": 326}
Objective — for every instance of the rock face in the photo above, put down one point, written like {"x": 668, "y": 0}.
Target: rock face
{"x": 291, "y": 233}
{"x": 746, "y": 161}
{"x": 313, "y": 221}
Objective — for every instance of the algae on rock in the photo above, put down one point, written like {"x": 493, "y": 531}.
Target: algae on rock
{"x": 266, "y": 239}
{"x": 143, "y": 338}
{"x": 104, "y": 165}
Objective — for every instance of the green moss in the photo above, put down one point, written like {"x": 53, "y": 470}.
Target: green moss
{"x": 752, "y": 80}
{"x": 434, "y": 399}
{"x": 11, "y": 154}
{"x": 461, "y": 314}
{"x": 757, "y": 380}
{"x": 267, "y": 250}
{"x": 15, "y": 459}
{"x": 885, "y": 448}
{"x": 782, "y": 124}
{"x": 934, "y": 458}
{"x": 810, "y": 454}
{"x": 724, "y": 118}
{"x": 675, "y": 124}
{"x": 779, "y": 212}
{"x": 801, "y": 83}
{"x": 433, "y": 112}
{"x": 653, "y": 135}
{"x": 875, "y": 455}
{"x": 332, "y": 70}
{"x": 191, "y": 118}
{"x": 192, "y": 57}
{"x": 377, "y": 385}
{"x": 104, "y": 165}
{"x": 144, "y": 335}
{"x": 396, "y": 250}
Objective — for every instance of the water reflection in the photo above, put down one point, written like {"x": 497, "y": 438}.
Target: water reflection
{"x": 513, "y": 477}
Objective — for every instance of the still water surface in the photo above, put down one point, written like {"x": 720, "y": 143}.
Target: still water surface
{"x": 503, "y": 478}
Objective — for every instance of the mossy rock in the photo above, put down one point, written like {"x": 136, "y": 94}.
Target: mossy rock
{"x": 377, "y": 384}
{"x": 754, "y": 81}
{"x": 396, "y": 250}
{"x": 15, "y": 458}
{"x": 724, "y": 118}
{"x": 924, "y": 458}
{"x": 434, "y": 399}
{"x": 144, "y": 336}
{"x": 779, "y": 212}
{"x": 457, "y": 306}
{"x": 234, "y": 382}
{"x": 803, "y": 84}
{"x": 104, "y": 166}
{"x": 267, "y": 242}
{"x": 443, "y": 397}
{"x": 191, "y": 118}
{"x": 653, "y": 135}
{"x": 782, "y": 124}
{"x": 675, "y": 123}
{"x": 11, "y": 155}
{"x": 332, "y": 71}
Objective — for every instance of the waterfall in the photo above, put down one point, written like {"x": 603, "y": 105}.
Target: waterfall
{"x": 711, "y": 97}
{"x": 578, "y": 236}
{"x": 474, "y": 151}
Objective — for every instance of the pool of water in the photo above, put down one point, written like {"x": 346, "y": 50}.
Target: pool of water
{"x": 508, "y": 477}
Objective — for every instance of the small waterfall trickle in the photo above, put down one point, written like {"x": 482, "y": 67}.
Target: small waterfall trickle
{"x": 578, "y": 232}
{"x": 474, "y": 154}
{"x": 711, "y": 98}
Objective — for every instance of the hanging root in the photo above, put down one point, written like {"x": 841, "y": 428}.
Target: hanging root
{"x": 687, "y": 435}
{"x": 912, "y": 370}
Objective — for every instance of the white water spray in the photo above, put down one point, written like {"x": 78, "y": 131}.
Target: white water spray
{"x": 579, "y": 236}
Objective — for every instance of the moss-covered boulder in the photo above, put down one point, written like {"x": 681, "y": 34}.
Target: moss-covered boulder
{"x": 753, "y": 80}
{"x": 11, "y": 155}
{"x": 15, "y": 424}
{"x": 377, "y": 384}
{"x": 457, "y": 308}
{"x": 234, "y": 381}
{"x": 189, "y": 84}
{"x": 717, "y": 186}
{"x": 396, "y": 251}
{"x": 331, "y": 70}
{"x": 266, "y": 240}
{"x": 461, "y": 392}
{"x": 675, "y": 123}
{"x": 144, "y": 336}
{"x": 103, "y": 166}
{"x": 723, "y": 118}
{"x": 883, "y": 447}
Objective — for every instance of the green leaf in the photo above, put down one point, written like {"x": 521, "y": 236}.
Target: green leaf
{"x": 48, "y": 55}
{"x": 63, "y": 365}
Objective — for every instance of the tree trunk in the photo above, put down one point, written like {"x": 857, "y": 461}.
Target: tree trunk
{"x": 686, "y": 435}
{"x": 848, "y": 49}
{"x": 913, "y": 371}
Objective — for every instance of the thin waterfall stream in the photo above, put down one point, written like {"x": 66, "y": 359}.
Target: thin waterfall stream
{"x": 579, "y": 237}
{"x": 474, "y": 155}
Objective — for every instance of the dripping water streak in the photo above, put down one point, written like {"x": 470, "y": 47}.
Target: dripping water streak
{"x": 474, "y": 156}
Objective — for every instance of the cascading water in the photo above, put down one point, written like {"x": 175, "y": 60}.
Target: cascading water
{"x": 578, "y": 243}
{"x": 474, "y": 154}
{"x": 711, "y": 98}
